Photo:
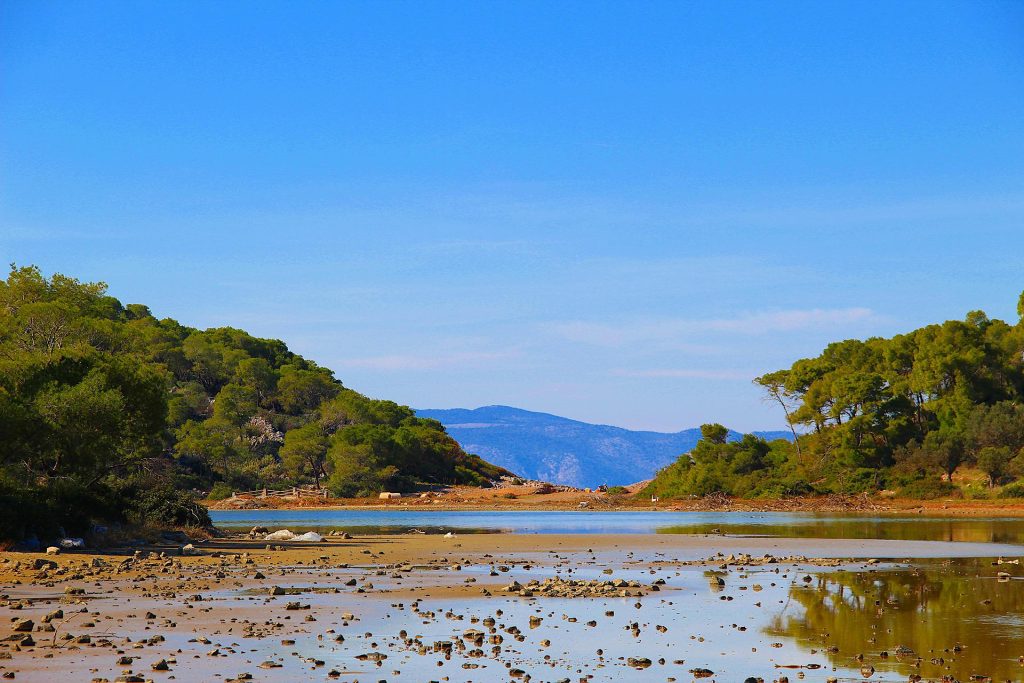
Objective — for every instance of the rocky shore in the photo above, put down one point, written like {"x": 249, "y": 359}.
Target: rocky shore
{"x": 416, "y": 607}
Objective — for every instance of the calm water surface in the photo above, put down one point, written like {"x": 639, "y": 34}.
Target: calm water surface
{"x": 780, "y": 524}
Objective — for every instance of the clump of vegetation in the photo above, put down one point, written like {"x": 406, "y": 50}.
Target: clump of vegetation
{"x": 617, "y": 490}
{"x": 750, "y": 467}
{"x": 906, "y": 413}
{"x": 110, "y": 414}
{"x": 929, "y": 488}
{"x": 1013, "y": 491}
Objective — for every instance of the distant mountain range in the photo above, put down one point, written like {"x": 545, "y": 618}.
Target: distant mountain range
{"x": 564, "y": 451}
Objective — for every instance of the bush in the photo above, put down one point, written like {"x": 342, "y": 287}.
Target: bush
{"x": 782, "y": 488}
{"x": 167, "y": 506}
{"x": 470, "y": 477}
{"x": 861, "y": 480}
{"x": 617, "y": 490}
{"x": 1014, "y": 490}
{"x": 929, "y": 488}
{"x": 220, "y": 491}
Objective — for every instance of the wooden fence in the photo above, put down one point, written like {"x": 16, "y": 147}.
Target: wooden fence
{"x": 293, "y": 492}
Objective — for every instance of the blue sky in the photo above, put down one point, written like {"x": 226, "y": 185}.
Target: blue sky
{"x": 617, "y": 212}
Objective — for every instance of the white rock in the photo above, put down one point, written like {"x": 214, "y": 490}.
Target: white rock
{"x": 281, "y": 535}
{"x": 310, "y": 536}
{"x": 52, "y": 550}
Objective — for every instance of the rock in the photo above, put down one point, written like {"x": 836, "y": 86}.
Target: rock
{"x": 72, "y": 543}
{"x": 53, "y": 550}
{"x": 41, "y": 563}
{"x": 189, "y": 549}
{"x": 280, "y": 535}
{"x": 23, "y": 625}
{"x": 639, "y": 662}
{"x": 373, "y": 657}
{"x": 161, "y": 665}
{"x": 309, "y": 537}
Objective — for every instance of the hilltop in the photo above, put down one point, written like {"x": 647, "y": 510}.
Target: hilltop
{"x": 565, "y": 451}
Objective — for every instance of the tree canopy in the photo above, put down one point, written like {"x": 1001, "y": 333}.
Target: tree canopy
{"x": 108, "y": 413}
{"x": 884, "y": 413}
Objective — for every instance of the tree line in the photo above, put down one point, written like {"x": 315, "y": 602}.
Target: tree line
{"x": 108, "y": 413}
{"x": 906, "y": 413}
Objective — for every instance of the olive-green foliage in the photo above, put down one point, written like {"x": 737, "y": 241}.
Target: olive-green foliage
{"x": 915, "y": 406}
{"x": 750, "y": 467}
{"x": 1013, "y": 491}
{"x": 928, "y": 488}
{"x": 880, "y": 413}
{"x": 108, "y": 414}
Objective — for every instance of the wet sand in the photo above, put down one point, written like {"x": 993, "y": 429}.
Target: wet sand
{"x": 404, "y": 605}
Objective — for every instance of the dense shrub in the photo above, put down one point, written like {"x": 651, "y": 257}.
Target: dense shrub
{"x": 220, "y": 491}
{"x": 1014, "y": 490}
{"x": 929, "y": 488}
{"x": 167, "y": 506}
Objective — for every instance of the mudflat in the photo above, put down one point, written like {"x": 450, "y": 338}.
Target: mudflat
{"x": 490, "y": 607}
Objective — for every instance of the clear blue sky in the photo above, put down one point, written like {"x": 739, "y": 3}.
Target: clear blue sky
{"x": 618, "y": 212}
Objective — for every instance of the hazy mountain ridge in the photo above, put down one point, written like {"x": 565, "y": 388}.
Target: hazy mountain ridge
{"x": 565, "y": 451}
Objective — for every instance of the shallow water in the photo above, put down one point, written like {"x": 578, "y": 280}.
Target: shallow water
{"x": 955, "y": 617}
{"x": 1008, "y": 530}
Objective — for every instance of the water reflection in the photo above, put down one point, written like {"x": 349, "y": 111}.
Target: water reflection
{"x": 957, "y": 618}
{"x": 993, "y": 530}
{"x": 780, "y": 524}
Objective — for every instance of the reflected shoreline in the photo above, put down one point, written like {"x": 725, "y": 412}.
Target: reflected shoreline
{"x": 1001, "y": 530}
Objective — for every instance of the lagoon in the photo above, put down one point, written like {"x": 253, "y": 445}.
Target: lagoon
{"x": 996, "y": 529}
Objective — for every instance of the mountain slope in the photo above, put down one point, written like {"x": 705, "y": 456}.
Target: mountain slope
{"x": 564, "y": 451}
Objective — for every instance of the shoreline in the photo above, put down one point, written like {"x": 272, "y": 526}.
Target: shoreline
{"x": 596, "y": 503}
{"x": 277, "y": 611}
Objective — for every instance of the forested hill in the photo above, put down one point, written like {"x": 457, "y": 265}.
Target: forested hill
{"x": 109, "y": 413}
{"x": 934, "y": 412}
{"x": 564, "y": 451}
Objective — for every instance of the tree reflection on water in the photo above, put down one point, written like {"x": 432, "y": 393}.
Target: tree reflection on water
{"x": 958, "y": 619}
